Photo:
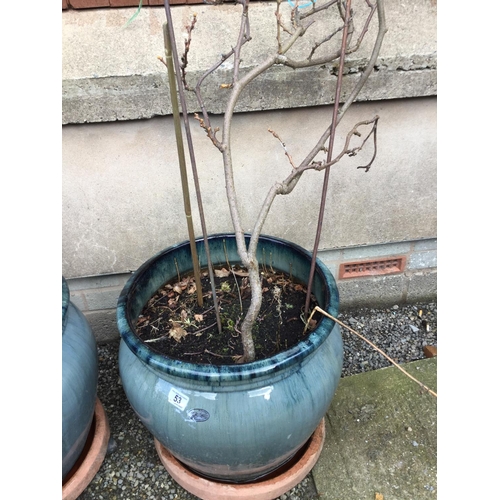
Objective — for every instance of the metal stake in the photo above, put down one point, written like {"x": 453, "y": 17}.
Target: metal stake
{"x": 182, "y": 163}
{"x": 169, "y": 34}
{"x": 329, "y": 155}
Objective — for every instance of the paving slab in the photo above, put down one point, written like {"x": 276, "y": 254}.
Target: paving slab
{"x": 381, "y": 437}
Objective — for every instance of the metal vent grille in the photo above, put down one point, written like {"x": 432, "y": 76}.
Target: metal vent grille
{"x": 378, "y": 267}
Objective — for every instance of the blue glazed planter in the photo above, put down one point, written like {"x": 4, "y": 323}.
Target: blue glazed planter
{"x": 79, "y": 380}
{"x": 232, "y": 423}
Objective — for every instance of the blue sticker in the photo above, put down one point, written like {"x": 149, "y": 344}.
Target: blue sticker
{"x": 301, "y": 6}
{"x": 198, "y": 415}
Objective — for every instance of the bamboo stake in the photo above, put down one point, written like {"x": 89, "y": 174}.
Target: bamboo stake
{"x": 169, "y": 33}
{"x": 329, "y": 153}
{"x": 182, "y": 163}
{"x": 371, "y": 344}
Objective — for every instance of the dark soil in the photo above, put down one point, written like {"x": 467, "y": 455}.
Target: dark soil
{"x": 173, "y": 324}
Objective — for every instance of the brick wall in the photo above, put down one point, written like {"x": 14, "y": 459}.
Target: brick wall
{"x": 92, "y": 4}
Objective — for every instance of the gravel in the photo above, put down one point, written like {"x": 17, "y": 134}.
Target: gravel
{"x": 132, "y": 469}
{"x": 400, "y": 331}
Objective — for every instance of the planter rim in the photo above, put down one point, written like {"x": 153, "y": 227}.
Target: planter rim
{"x": 65, "y": 301}
{"x": 219, "y": 374}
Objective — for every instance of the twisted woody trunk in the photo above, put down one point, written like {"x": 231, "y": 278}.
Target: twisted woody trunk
{"x": 287, "y": 35}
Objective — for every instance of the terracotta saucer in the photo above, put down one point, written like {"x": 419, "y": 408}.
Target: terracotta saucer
{"x": 91, "y": 458}
{"x": 267, "y": 488}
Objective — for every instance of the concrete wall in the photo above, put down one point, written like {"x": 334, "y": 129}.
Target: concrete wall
{"x": 122, "y": 200}
{"x": 121, "y": 192}
{"x": 111, "y": 71}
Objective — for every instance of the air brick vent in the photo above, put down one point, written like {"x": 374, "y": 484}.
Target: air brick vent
{"x": 377, "y": 267}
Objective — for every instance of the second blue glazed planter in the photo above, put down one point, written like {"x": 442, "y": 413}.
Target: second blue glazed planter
{"x": 233, "y": 423}
{"x": 79, "y": 380}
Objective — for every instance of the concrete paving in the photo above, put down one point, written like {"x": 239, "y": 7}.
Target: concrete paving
{"x": 381, "y": 437}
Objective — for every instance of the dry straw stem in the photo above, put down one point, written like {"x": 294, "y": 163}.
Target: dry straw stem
{"x": 371, "y": 344}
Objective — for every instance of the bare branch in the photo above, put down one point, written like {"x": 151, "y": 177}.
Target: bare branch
{"x": 318, "y": 44}
{"x": 284, "y": 147}
{"x": 243, "y": 35}
{"x": 294, "y": 14}
{"x": 288, "y": 185}
{"x": 184, "y": 57}
{"x": 211, "y": 133}
{"x": 280, "y": 24}
{"x": 335, "y": 55}
{"x": 382, "y": 30}
{"x": 243, "y": 38}
{"x": 298, "y": 26}
{"x": 374, "y": 132}
{"x": 315, "y": 9}
{"x": 347, "y": 151}
{"x": 368, "y": 20}
{"x": 372, "y": 345}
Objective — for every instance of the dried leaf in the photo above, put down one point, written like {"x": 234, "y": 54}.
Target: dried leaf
{"x": 312, "y": 324}
{"x": 184, "y": 314}
{"x": 177, "y": 288}
{"x": 198, "y": 317}
{"x": 241, "y": 273}
{"x": 192, "y": 289}
{"x": 222, "y": 273}
{"x": 299, "y": 288}
{"x": 237, "y": 359}
{"x": 177, "y": 332}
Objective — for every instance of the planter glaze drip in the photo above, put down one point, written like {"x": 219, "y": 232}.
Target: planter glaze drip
{"x": 232, "y": 423}
{"x": 79, "y": 380}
